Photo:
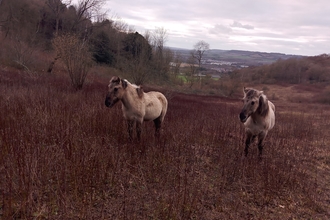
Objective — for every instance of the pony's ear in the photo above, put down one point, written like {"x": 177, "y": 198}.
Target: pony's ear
{"x": 115, "y": 80}
{"x": 263, "y": 105}
{"x": 245, "y": 90}
{"x": 139, "y": 91}
{"x": 124, "y": 83}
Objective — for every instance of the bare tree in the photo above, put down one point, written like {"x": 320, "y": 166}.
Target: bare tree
{"x": 199, "y": 49}
{"x": 159, "y": 38}
{"x": 148, "y": 36}
{"x": 75, "y": 55}
{"x": 86, "y": 10}
{"x": 160, "y": 55}
{"x": 119, "y": 24}
{"x": 138, "y": 68}
{"x": 90, "y": 9}
{"x": 57, "y": 7}
{"x": 22, "y": 53}
{"x": 137, "y": 53}
{"x": 192, "y": 71}
{"x": 18, "y": 32}
{"x": 176, "y": 64}
{"x": 18, "y": 19}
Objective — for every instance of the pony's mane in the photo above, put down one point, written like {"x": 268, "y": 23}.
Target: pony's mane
{"x": 139, "y": 89}
{"x": 251, "y": 93}
{"x": 132, "y": 84}
{"x": 263, "y": 105}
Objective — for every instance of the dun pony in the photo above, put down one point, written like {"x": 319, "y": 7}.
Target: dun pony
{"x": 137, "y": 106}
{"x": 258, "y": 116}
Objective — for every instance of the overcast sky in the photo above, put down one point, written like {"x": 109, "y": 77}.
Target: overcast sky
{"x": 286, "y": 26}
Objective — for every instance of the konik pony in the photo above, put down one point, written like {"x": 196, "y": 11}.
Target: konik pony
{"x": 137, "y": 106}
{"x": 258, "y": 116}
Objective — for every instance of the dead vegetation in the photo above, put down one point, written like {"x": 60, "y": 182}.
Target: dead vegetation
{"x": 64, "y": 155}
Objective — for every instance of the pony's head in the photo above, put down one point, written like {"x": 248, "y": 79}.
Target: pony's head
{"x": 116, "y": 90}
{"x": 254, "y": 101}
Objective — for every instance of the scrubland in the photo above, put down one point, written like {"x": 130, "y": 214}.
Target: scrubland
{"x": 64, "y": 155}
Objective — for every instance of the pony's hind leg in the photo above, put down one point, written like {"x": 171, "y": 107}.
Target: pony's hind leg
{"x": 158, "y": 124}
{"x": 130, "y": 124}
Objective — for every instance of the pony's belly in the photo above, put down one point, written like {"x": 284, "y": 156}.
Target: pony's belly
{"x": 133, "y": 116}
{"x": 147, "y": 115}
{"x": 254, "y": 128}
{"x": 151, "y": 115}
{"x": 152, "y": 111}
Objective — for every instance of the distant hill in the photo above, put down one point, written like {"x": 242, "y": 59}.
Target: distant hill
{"x": 243, "y": 58}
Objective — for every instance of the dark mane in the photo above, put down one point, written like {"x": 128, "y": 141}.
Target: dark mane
{"x": 251, "y": 93}
{"x": 263, "y": 106}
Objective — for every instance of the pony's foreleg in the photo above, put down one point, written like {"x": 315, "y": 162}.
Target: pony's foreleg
{"x": 138, "y": 130}
{"x": 248, "y": 140}
{"x": 130, "y": 124}
{"x": 261, "y": 138}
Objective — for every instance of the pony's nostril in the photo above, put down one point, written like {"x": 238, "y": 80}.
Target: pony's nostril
{"x": 107, "y": 103}
{"x": 242, "y": 116}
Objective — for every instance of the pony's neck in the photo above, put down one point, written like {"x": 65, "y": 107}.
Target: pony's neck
{"x": 129, "y": 97}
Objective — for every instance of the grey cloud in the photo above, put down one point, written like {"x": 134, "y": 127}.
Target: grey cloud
{"x": 240, "y": 25}
{"x": 220, "y": 29}
{"x": 296, "y": 26}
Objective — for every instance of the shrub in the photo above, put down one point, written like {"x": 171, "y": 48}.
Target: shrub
{"x": 75, "y": 55}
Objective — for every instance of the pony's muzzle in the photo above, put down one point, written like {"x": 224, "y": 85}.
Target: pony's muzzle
{"x": 242, "y": 117}
{"x": 108, "y": 103}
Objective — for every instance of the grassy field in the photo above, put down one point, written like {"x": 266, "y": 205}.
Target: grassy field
{"x": 64, "y": 155}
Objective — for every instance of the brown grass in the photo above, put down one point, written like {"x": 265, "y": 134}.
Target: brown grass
{"x": 64, "y": 155}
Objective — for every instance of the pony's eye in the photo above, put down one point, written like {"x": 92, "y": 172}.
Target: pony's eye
{"x": 115, "y": 89}
{"x": 252, "y": 103}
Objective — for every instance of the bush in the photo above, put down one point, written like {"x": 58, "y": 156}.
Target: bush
{"x": 75, "y": 55}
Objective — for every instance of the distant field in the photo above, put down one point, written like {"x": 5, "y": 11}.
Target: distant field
{"x": 64, "y": 155}
{"x": 183, "y": 78}
{"x": 240, "y": 56}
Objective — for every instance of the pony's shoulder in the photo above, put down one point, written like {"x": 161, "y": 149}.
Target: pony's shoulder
{"x": 272, "y": 106}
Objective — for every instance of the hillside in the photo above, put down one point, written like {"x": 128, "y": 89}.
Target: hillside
{"x": 64, "y": 155}
{"x": 238, "y": 57}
